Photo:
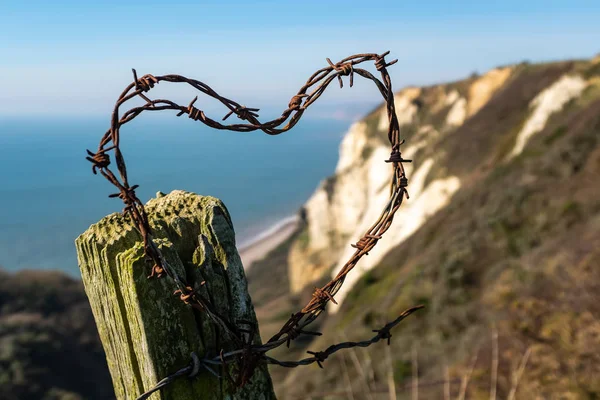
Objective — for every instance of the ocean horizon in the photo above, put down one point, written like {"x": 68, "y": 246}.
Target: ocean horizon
{"x": 49, "y": 195}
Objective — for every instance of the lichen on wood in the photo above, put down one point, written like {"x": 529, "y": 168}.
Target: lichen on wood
{"x": 146, "y": 331}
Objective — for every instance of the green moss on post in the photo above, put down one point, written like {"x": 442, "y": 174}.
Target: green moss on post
{"x": 146, "y": 331}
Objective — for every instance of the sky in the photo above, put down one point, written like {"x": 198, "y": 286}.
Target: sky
{"x": 73, "y": 58}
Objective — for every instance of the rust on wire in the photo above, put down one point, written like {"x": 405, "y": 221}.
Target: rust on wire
{"x": 248, "y": 356}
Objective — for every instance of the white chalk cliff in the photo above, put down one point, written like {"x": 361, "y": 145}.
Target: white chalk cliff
{"x": 345, "y": 205}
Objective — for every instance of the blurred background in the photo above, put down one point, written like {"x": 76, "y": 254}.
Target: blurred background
{"x": 499, "y": 104}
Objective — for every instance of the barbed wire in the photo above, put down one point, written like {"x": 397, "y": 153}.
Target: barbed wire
{"x": 317, "y": 357}
{"x": 249, "y": 356}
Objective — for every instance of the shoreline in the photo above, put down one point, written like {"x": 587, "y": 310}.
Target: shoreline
{"x": 249, "y": 251}
{"x": 266, "y": 241}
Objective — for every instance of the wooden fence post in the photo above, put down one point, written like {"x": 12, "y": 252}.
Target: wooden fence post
{"x": 147, "y": 332}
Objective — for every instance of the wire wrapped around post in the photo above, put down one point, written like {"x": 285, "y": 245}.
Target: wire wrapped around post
{"x": 249, "y": 355}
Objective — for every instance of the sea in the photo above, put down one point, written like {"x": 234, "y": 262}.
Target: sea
{"x": 48, "y": 194}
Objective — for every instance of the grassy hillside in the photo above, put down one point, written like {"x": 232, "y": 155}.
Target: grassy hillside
{"x": 49, "y": 346}
{"x": 515, "y": 253}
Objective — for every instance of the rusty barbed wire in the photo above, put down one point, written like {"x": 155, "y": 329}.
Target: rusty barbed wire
{"x": 249, "y": 356}
{"x": 317, "y": 356}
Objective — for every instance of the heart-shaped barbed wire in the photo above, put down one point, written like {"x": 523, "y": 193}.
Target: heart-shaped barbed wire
{"x": 248, "y": 356}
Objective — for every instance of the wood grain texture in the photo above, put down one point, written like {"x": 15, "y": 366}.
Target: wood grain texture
{"x": 146, "y": 331}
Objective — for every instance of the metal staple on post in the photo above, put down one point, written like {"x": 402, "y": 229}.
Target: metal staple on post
{"x": 248, "y": 356}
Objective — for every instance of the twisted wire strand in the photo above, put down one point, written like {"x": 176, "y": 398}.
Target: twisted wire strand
{"x": 318, "y": 357}
{"x": 249, "y": 356}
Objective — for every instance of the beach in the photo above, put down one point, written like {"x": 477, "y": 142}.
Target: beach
{"x": 268, "y": 240}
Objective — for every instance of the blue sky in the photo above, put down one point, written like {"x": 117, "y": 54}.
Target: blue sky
{"x": 66, "y": 57}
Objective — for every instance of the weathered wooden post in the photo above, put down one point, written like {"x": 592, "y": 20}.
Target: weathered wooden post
{"x": 147, "y": 332}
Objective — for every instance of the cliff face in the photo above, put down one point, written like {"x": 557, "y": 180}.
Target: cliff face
{"x": 433, "y": 120}
{"x": 499, "y": 239}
